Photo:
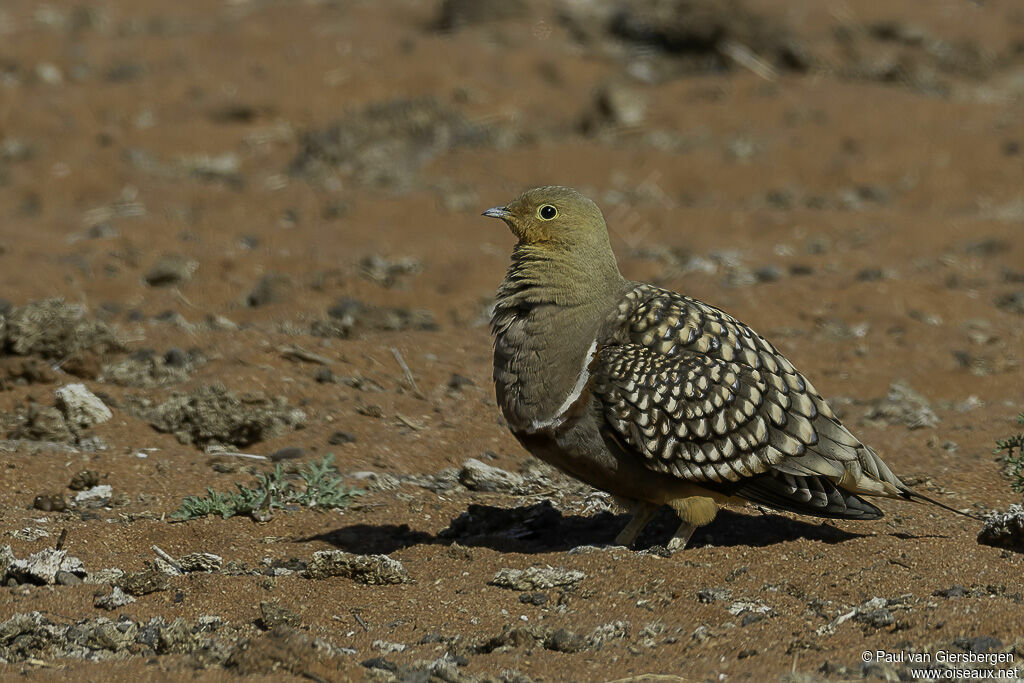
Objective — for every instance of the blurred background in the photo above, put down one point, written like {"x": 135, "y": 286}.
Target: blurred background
{"x": 284, "y": 197}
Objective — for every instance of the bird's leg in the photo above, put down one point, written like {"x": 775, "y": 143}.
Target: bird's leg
{"x": 694, "y": 511}
{"x": 681, "y": 537}
{"x": 643, "y": 512}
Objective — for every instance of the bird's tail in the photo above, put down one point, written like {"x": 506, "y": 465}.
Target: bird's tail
{"x": 915, "y": 497}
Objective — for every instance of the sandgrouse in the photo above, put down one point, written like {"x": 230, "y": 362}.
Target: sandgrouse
{"x": 653, "y": 396}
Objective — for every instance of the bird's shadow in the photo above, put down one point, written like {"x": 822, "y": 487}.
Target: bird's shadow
{"x": 540, "y": 528}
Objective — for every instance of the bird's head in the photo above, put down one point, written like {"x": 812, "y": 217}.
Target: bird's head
{"x": 554, "y": 216}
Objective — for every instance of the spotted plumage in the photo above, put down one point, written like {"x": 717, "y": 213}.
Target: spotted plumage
{"x": 654, "y": 396}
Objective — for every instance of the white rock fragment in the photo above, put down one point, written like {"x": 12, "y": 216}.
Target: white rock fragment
{"x": 479, "y": 476}
{"x": 81, "y": 407}
{"x": 105, "y": 576}
{"x": 97, "y": 496}
{"x": 200, "y": 562}
{"x": 536, "y": 578}
{"x": 30, "y": 534}
{"x": 388, "y": 647}
{"x": 374, "y": 570}
{"x": 42, "y": 567}
{"x": 117, "y": 598}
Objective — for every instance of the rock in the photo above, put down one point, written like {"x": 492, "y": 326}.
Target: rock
{"x": 200, "y": 562}
{"x": 6, "y": 559}
{"x": 144, "y": 582}
{"x": 388, "y": 272}
{"x": 1004, "y": 529}
{"x": 458, "y": 13}
{"x": 369, "y": 569}
{"x": 97, "y": 496}
{"x": 479, "y": 476}
{"x": 706, "y": 35}
{"x": 282, "y": 649}
{"x": 875, "y": 614}
{"x": 1012, "y": 302}
{"x": 50, "y": 502}
{"x": 562, "y": 640}
{"x": 536, "y": 578}
{"x": 387, "y": 647}
{"x": 42, "y": 567}
{"x": 81, "y": 407}
{"x": 272, "y": 288}
{"x": 903, "y": 405}
{"x": 109, "y": 575}
{"x": 386, "y": 143}
{"x": 273, "y": 614}
{"x": 84, "y": 479}
{"x": 29, "y": 534}
{"x": 214, "y": 415}
{"x": 979, "y": 644}
{"x": 176, "y": 358}
{"x": 117, "y": 598}
{"x": 380, "y": 663}
{"x": 288, "y": 453}
{"x": 458, "y": 382}
{"x": 708, "y": 595}
{"x": 615, "y": 106}
{"x": 740, "y": 607}
{"x": 171, "y": 269}
{"x": 536, "y": 598}
{"x": 55, "y": 330}
{"x": 349, "y": 316}
{"x": 30, "y": 370}
{"x": 45, "y": 424}
{"x": 338, "y": 438}
{"x": 147, "y": 370}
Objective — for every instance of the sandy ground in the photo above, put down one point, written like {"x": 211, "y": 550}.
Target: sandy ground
{"x": 284, "y": 198}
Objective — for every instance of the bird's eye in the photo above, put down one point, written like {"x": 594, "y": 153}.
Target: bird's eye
{"x": 547, "y": 212}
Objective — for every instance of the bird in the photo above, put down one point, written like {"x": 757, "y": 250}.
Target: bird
{"x": 656, "y": 397}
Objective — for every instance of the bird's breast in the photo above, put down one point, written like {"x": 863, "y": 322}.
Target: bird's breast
{"x": 541, "y": 366}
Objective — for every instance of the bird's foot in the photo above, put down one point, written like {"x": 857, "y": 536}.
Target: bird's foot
{"x": 681, "y": 537}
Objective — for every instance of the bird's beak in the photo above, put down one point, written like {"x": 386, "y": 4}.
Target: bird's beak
{"x": 497, "y": 212}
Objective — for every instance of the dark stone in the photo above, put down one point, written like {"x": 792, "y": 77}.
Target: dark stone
{"x": 288, "y": 453}
{"x": 338, "y": 438}
{"x": 954, "y": 591}
{"x": 380, "y": 663}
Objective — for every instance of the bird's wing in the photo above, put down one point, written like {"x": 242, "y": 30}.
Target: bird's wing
{"x": 701, "y": 396}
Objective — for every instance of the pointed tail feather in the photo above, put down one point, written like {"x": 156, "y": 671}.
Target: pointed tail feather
{"x": 916, "y": 497}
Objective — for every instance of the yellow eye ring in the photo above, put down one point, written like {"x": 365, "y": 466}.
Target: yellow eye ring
{"x": 547, "y": 212}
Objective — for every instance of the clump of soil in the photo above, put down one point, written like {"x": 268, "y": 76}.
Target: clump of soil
{"x": 214, "y": 415}
{"x": 54, "y": 330}
{"x": 895, "y": 52}
{"x": 457, "y": 13}
{"x": 147, "y": 369}
{"x": 76, "y": 409}
{"x": 368, "y": 569}
{"x": 386, "y": 143}
{"x": 709, "y": 34}
{"x": 1004, "y": 529}
{"x": 347, "y": 317}
{"x": 208, "y": 641}
{"x": 43, "y": 423}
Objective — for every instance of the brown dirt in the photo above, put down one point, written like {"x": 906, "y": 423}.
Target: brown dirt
{"x": 860, "y": 204}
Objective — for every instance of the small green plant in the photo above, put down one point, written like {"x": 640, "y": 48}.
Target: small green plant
{"x": 1013, "y": 447}
{"x": 323, "y": 489}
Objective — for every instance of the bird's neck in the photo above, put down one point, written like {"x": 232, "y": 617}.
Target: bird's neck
{"x": 542, "y": 275}
{"x": 547, "y": 318}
